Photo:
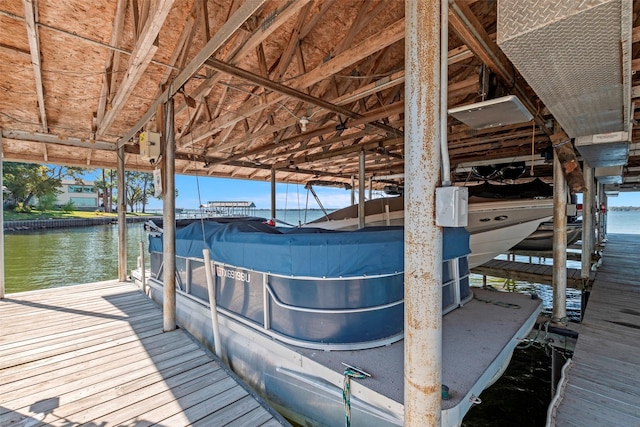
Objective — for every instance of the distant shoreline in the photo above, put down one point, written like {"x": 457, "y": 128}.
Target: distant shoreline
{"x": 46, "y": 224}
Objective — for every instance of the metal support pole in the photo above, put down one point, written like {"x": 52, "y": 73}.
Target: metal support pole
{"x": 2, "y": 286}
{"x": 273, "y": 194}
{"x": 599, "y": 203}
{"x": 143, "y": 272}
{"x": 122, "y": 219}
{"x": 559, "y": 314}
{"x": 353, "y": 190}
{"x": 169, "y": 221}
{"x": 587, "y": 222}
{"x": 361, "y": 189}
{"x": 423, "y": 239}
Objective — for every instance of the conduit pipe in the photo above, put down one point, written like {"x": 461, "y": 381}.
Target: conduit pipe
{"x": 423, "y": 239}
{"x": 444, "y": 84}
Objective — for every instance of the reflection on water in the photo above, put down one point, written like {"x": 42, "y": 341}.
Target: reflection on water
{"x": 60, "y": 257}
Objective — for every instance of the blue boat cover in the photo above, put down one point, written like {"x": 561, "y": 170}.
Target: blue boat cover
{"x": 310, "y": 252}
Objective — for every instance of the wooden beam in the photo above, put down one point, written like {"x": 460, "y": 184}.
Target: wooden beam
{"x": 113, "y": 58}
{"x": 285, "y": 90}
{"x": 11, "y": 50}
{"x": 371, "y": 116}
{"x": 226, "y": 31}
{"x": 388, "y": 36}
{"x": 269, "y": 24}
{"x": 635, "y": 35}
{"x": 138, "y": 62}
{"x": 34, "y": 47}
{"x": 48, "y": 138}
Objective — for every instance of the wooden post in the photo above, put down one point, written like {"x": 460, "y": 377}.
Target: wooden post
{"x": 570, "y": 167}
{"x": 169, "y": 222}
{"x": 423, "y": 239}
{"x": 122, "y": 219}
{"x": 559, "y": 314}
{"x": 587, "y": 223}
{"x": 2, "y": 286}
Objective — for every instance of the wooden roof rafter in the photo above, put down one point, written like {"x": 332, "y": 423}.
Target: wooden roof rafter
{"x": 138, "y": 62}
{"x": 390, "y": 35}
{"x": 34, "y": 47}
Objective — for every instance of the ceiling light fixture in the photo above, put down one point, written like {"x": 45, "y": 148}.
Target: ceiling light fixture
{"x": 303, "y": 123}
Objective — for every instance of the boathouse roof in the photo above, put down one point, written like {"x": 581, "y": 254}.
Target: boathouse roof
{"x": 302, "y": 87}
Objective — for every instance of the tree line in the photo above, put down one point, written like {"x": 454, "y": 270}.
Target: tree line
{"x": 27, "y": 182}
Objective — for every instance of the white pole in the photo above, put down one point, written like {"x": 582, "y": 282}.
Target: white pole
{"x": 217, "y": 343}
{"x": 423, "y": 239}
{"x": 143, "y": 272}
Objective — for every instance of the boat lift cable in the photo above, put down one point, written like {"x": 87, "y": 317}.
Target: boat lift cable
{"x": 310, "y": 188}
{"x": 211, "y": 286}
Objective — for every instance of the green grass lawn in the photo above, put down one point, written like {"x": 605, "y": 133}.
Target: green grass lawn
{"x": 58, "y": 214}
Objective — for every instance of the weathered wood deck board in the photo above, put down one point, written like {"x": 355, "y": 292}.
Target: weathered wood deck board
{"x": 535, "y": 273}
{"x": 603, "y": 380}
{"x": 96, "y": 354}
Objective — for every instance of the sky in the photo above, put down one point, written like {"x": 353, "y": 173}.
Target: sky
{"x": 288, "y": 196}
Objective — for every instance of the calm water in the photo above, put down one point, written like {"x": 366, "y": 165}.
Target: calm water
{"x": 38, "y": 260}
{"x": 60, "y": 257}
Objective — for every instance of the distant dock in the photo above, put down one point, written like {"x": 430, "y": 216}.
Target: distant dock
{"x": 96, "y": 354}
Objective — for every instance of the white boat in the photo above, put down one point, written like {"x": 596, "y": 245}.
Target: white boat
{"x": 495, "y": 225}
{"x": 298, "y": 305}
{"x": 541, "y": 240}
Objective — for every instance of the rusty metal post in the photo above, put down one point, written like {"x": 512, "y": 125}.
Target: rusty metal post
{"x": 122, "y": 219}
{"x": 2, "y": 286}
{"x": 169, "y": 221}
{"x": 559, "y": 314}
{"x": 361, "y": 189}
{"x": 423, "y": 239}
{"x": 587, "y": 222}
{"x": 273, "y": 194}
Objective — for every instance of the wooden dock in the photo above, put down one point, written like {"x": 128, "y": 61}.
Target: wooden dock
{"x": 534, "y": 273}
{"x": 96, "y": 354}
{"x": 602, "y": 384}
